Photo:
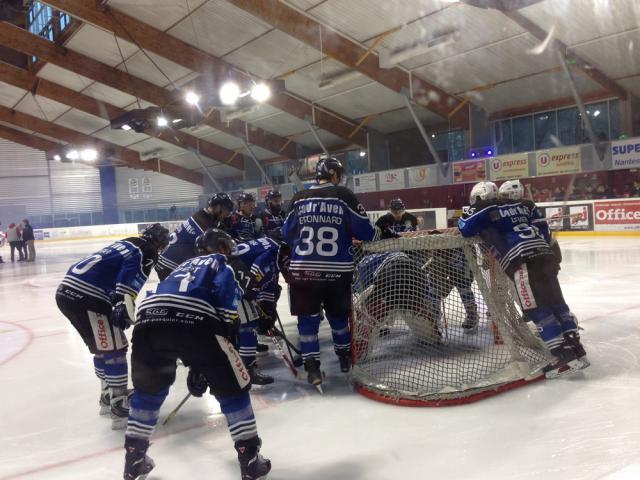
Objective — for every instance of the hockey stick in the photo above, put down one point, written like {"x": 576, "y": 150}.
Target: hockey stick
{"x": 175, "y": 410}
{"x": 285, "y": 357}
{"x": 290, "y": 346}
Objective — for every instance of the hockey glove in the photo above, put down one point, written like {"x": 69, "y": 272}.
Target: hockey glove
{"x": 122, "y": 315}
{"x": 196, "y": 383}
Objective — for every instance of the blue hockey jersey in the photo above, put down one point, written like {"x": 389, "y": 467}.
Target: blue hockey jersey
{"x": 121, "y": 268}
{"x": 242, "y": 228}
{"x": 368, "y": 268}
{"x": 182, "y": 241}
{"x": 513, "y": 231}
{"x": 204, "y": 286}
{"x": 261, "y": 258}
{"x": 319, "y": 229}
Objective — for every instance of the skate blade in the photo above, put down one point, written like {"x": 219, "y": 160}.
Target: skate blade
{"x": 470, "y": 331}
{"x": 567, "y": 369}
{"x": 585, "y": 362}
{"x": 104, "y": 410}
{"x": 319, "y": 388}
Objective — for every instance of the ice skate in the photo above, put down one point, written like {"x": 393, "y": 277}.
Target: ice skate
{"x": 137, "y": 463}
{"x": 345, "y": 361}
{"x": 314, "y": 374}
{"x": 262, "y": 349}
{"x": 470, "y": 324}
{"x": 257, "y": 378}
{"x": 105, "y": 402}
{"x": 565, "y": 362}
{"x": 573, "y": 339}
{"x": 119, "y": 409}
{"x": 252, "y": 465}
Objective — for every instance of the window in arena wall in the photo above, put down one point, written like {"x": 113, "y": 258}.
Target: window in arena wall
{"x": 614, "y": 119}
{"x": 522, "y": 128}
{"x": 545, "y": 128}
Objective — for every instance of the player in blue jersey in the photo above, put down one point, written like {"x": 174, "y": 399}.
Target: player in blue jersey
{"x": 243, "y": 224}
{"x": 398, "y": 220}
{"x": 260, "y": 259}
{"x": 192, "y": 316}
{"x": 273, "y": 216}
{"x": 94, "y": 296}
{"x": 320, "y": 229}
{"x": 182, "y": 242}
{"x": 518, "y": 236}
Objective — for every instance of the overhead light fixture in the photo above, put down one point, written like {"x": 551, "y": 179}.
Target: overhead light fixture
{"x": 192, "y": 98}
{"x": 229, "y": 93}
{"x": 89, "y": 154}
{"x": 72, "y": 154}
{"x": 260, "y": 92}
{"x": 389, "y": 59}
{"x": 363, "y": 153}
{"x": 596, "y": 113}
{"x": 126, "y": 127}
{"x": 57, "y": 158}
{"x": 176, "y": 120}
{"x": 162, "y": 121}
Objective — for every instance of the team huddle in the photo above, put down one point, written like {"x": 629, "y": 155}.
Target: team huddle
{"x": 219, "y": 287}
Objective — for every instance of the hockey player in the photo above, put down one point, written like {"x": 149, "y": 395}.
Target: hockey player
{"x": 273, "y": 216}
{"x": 192, "y": 316}
{"x": 320, "y": 228}
{"x": 243, "y": 224}
{"x": 94, "y": 296}
{"x": 181, "y": 245}
{"x": 398, "y": 220}
{"x": 518, "y": 237}
{"x": 255, "y": 264}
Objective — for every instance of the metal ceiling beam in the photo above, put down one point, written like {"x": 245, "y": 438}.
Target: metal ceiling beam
{"x": 129, "y": 157}
{"x": 45, "y": 88}
{"x": 27, "y": 139}
{"x": 572, "y": 58}
{"x": 182, "y": 53}
{"x": 348, "y": 52}
{"x": 26, "y": 42}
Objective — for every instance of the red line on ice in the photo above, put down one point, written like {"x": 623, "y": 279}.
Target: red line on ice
{"x": 24, "y": 347}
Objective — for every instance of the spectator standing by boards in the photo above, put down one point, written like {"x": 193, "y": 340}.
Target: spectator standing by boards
{"x": 29, "y": 240}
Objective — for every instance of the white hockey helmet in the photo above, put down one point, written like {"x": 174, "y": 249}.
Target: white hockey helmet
{"x": 483, "y": 191}
{"x": 511, "y": 190}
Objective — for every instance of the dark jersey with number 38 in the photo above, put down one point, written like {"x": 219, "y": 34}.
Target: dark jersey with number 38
{"x": 319, "y": 229}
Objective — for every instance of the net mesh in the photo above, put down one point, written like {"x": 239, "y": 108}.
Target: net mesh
{"x": 435, "y": 319}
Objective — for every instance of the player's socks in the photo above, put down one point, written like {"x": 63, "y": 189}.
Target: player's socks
{"x": 253, "y": 466}
{"x": 137, "y": 463}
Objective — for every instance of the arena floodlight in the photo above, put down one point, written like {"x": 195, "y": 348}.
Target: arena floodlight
{"x": 72, "y": 154}
{"x": 89, "y": 154}
{"x": 229, "y": 93}
{"x": 192, "y": 98}
{"x": 57, "y": 158}
{"x": 363, "y": 153}
{"x": 162, "y": 121}
{"x": 260, "y": 92}
{"x": 126, "y": 127}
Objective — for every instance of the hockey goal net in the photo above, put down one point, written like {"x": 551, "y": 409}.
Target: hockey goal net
{"x": 436, "y": 322}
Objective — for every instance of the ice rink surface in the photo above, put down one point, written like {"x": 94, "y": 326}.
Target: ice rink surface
{"x": 573, "y": 428}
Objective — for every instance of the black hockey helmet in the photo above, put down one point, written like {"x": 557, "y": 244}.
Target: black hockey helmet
{"x": 271, "y": 195}
{"x": 157, "y": 236}
{"x": 221, "y": 199}
{"x": 214, "y": 240}
{"x": 246, "y": 197}
{"x": 327, "y": 166}
{"x": 396, "y": 205}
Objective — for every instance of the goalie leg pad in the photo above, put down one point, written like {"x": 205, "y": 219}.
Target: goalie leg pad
{"x": 308, "y": 326}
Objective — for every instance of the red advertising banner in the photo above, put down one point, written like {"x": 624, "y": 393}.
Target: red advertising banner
{"x": 469, "y": 171}
{"x": 617, "y": 215}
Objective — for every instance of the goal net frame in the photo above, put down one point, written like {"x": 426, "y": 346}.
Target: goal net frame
{"x": 410, "y": 302}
